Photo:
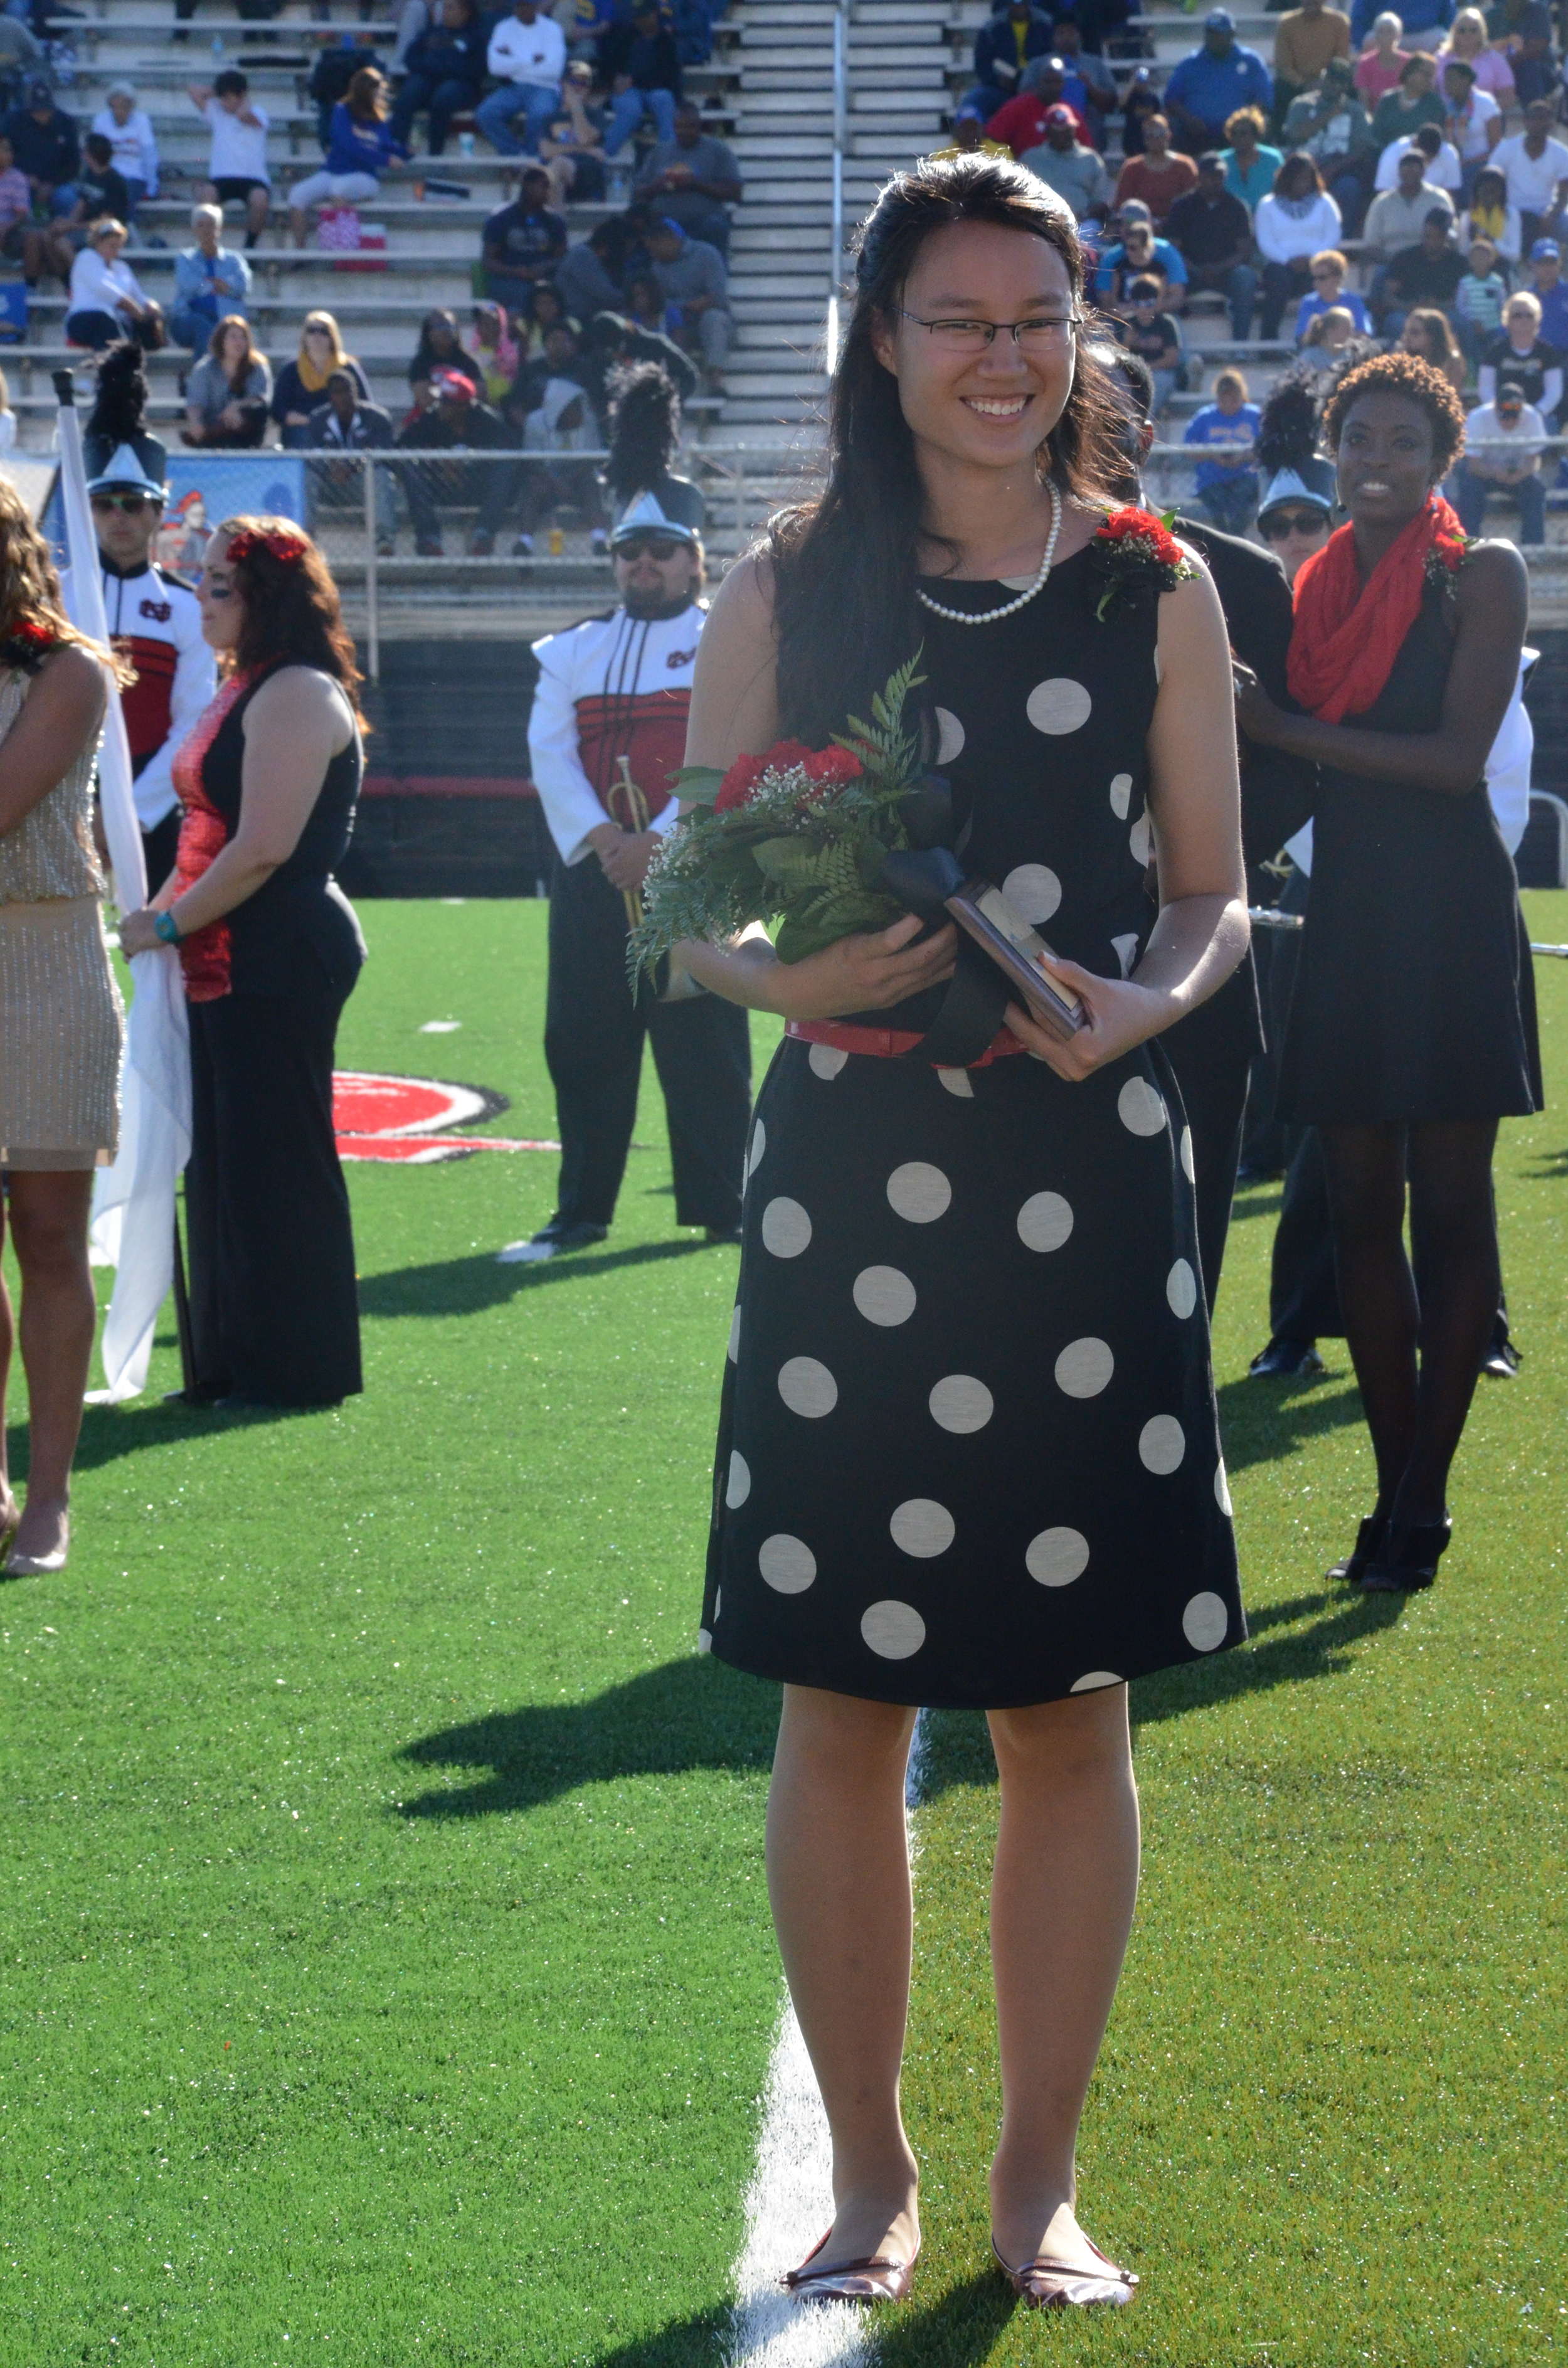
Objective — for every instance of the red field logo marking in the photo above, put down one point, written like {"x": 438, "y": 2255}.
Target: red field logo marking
{"x": 404, "y": 1118}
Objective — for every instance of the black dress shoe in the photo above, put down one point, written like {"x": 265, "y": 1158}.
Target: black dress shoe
{"x": 1501, "y": 1361}
{"x": 1408, "y": 1557}
{"x": 1369, "y": 1537}
{"x": 1283, "y": 1359}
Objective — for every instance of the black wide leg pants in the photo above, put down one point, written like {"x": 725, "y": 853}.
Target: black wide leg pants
{"x": 274, "y": 1309}
{"x": 593, "y": 1043}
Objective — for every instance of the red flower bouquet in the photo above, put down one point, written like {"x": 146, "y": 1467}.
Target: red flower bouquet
{"x": 1132, "y": 557}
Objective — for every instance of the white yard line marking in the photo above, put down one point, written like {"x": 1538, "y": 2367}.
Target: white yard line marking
{"x": 789, "y": 2203}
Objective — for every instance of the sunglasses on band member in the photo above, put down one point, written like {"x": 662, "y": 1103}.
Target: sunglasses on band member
{"x": 651, "y": 546}
{"x": 1281, "y": 524}
{"x": 129, "y": 504}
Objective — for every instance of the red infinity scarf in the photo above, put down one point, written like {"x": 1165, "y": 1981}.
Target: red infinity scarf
{"x": 1348, "y": 634}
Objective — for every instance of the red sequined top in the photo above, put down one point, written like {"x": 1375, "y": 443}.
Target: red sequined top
{"x": 204, "y": 833}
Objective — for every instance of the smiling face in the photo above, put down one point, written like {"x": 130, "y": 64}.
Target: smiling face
{"x": 993, "y": 408}
{"x": 1385, "y": 464}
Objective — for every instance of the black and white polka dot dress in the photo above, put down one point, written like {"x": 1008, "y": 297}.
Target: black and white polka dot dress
{"x": 968, "y": 1452}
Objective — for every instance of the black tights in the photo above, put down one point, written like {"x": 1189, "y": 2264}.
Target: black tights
{"x": 1415, "y": 1410}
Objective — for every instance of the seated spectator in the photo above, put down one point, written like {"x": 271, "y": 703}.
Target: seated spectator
{"x": 640, "y": 68}
{"x": 1064, "y": 165}
{"x": 1328, "y": 291}
{"x": 493, "y": 357}
{"x": 646, "y": 305}
{"x": 1160, "y": 175}
{"x": 1536, "y": 165}
{"x": 1422, "y": 23}
{"x": 1335, "y": 130}
{"x": 1550, "y": 291}
{"x": 1400, "y": 116}
{"x": 341, "y": 58}
{"x": 1474, "y": 122}
{"x": 236, "y": 164}
{"x": 1381, "y": 62}
{"x": 970, "y": 137}
{"x": 523, "y": 243}
{"x": 129, "y": 131}
{"x": 107, "y": 301}
{"x": 1139, "y": 100}
{"x": 1017, "y": 33}
{"x": 440, "y": 347}
{"x": 1296, "y": 222}
{"x": 1307, "y": 39}
{"x": 1427, "y": 273}
{"x": 1430, "y": 337}
{"x": 547, "y": 310}
{"x": 211, "y": 283}
{"x": 1212, "y": 232}
{"x": 1327, "y": 345}
{"x": 1154, "y": 334}
{"x": 1226, "y": 490}
{"x": 302, "y": 383}
{"x": 1439, "y": 162}
{"x": 587, "y": 277}
{"x": 343, "y": 422}
{"x": 1086, "y": 65}
{"x": 560, "y": 422}
{"x": 692, "y": 179}
{"x": 1466, "y": 39}
{"x": 100, "y": 191}
{"x": 227, "y": 393}
{"x": 527, "y": 57}
{"x": 1022, "y": 123}
{"x": 457, "y": 422}
{"x": 1250, "y": 163}
{"x": 572, "y": 149}
{"x": 36, "y": 246}
{"x": 1396, "y": 219}
{"x": 1478, "y": 299}
{"x": 1136, "y": 255}
{"x": 22, "y": 56}
{"x": 1521, "y": 353}
{"x": 693, "y": 279}
{"x": 561, "y": 356}
{"x": 1491, "y": 216}
{"x": 1204, "y": 90}
{"x": 360, "y": 150}
{"x": 45, "y": 149}
{"x": 445, "y": 76}
{"x": 1504, "y": 438}
{"x": 1522, "y": 30}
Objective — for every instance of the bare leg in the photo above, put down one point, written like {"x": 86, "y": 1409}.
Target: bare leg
{"x": 838, "y": 1877}
{"x": 258, "y": 205}
{"x": 1377, "y": 1291}
{"x": 8, "y": 1339}
{"x": 49, "y": 1227}
{"x": 1062, "y": 1900}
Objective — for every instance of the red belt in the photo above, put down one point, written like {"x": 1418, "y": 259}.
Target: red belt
{"x": 886, "y": 1044}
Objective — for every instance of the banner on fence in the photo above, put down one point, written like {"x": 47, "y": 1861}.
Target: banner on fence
{"x": 205, "y": 487}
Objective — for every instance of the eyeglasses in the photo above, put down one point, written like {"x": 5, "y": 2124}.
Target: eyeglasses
{"x": 1040, "y": 336}
{"x": 1281, "y": 523}
{"x": 651, "y": 546}
{"x": 129, "y": 505}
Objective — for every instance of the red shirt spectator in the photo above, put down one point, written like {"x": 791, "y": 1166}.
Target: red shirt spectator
{"x": 1022, "y": 122}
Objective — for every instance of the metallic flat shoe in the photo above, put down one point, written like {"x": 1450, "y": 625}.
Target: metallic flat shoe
{"x": 21, "y": 1565}
{"x": 1045, "y": 2285}
{"x": 874, "y": 2279}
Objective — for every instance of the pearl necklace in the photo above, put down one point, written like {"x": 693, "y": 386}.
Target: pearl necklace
{"x": 990, "y": 616}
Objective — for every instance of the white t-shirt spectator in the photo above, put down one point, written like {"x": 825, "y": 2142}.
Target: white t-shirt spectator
{"x": 1524, "y": 440}
{"x": 97, "y": 286}
{"x": 528, "y": 53}
{"x": 1286, "y": 231}
{"x": 1442, "y": 173}
{"x": 239, "y": 150}
{"x": 1532, "y": 180}
{"x": 135, "y": 149}
{"x": 1480, "y": 110}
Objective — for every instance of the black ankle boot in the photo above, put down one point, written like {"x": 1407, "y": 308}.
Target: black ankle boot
{"x": 1369, "y": 1538}
{"x": 1407, "y": 1558}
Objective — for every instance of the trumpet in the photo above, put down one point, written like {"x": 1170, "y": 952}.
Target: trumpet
{"x": 625, "y": 793}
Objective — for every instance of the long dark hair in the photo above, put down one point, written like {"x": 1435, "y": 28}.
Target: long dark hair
{"x": 845, "y": 566}
{"x": 292, "y": 614}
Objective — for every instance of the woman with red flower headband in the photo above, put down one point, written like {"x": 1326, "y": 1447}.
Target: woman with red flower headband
{"x": 60, "y": 1021}
{"x": 270, "y": 950}
{"x": 968, "y": 1449}
{"x": 1411, "y": 1028}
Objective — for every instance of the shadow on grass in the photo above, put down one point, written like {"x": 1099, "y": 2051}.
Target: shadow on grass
{"x": 1260, "y": 1420}
{"x": 688, "y": 1713}
{"x": 957, "y": 1744}
{"x": 692, "y": 2343}
{"x": 464, "y": 1286}
{"x": 1258, "y": 1200}
{"x": 958, "y": 2331}
{"x": 109, "y": 1432}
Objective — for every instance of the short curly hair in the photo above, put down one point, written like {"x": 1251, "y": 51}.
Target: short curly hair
{"x": 1407, "y": 374}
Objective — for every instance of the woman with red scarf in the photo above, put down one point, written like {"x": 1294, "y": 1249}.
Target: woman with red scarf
{"x": 1412, "y": 1030}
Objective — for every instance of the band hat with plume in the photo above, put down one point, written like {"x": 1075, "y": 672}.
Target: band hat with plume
{"x": 136, "y": 467}
{"x": 645, "y": 516}
{"x": 117, "y": 452}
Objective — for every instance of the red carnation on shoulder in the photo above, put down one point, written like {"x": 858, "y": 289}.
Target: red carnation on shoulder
{"x": 1132, "y": 556}
{"x": 36, "y": 637}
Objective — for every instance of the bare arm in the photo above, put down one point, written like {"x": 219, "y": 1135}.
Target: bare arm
{"x": 61, "y": 716}
{"x": 735, "y": 711}
{"x": 1492, "y": 600}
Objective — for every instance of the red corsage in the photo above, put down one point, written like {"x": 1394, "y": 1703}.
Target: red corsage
{"x": 1449, "y": 550}
{"x": 26, "y": 645}
{"x": 286, "y": 548}
{"x": 1133, "y": 555}
{"x": 36, "y": 637}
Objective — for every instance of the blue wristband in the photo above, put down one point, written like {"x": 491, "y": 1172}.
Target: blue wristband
{"x": 165, "y": 929}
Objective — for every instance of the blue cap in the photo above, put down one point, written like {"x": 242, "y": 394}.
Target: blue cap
{"x": 1544, "y": 247}
{"x": 1219, "y": 20}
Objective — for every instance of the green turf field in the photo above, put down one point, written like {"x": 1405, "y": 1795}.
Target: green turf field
{"x": 387, "y": 1970}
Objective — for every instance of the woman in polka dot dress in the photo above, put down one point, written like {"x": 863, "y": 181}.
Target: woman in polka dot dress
{"x": 968, "y": 1452}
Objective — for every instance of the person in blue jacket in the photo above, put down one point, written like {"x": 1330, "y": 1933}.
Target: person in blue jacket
{"x": 1016, "y": 32}
{"x": 1206, "y": 88}
{"x": 445, "y": 72}
{"x": 360, "y": 146}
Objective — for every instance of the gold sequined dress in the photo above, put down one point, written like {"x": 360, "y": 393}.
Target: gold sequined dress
{"x": 61, "y": 1017}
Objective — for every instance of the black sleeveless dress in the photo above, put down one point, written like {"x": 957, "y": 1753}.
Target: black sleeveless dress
{"x": 1414, "y": 997}
{"x": 968, "y": 1452}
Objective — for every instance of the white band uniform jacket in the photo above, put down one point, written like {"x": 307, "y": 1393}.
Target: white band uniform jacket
{"x": 614, "y": 685}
